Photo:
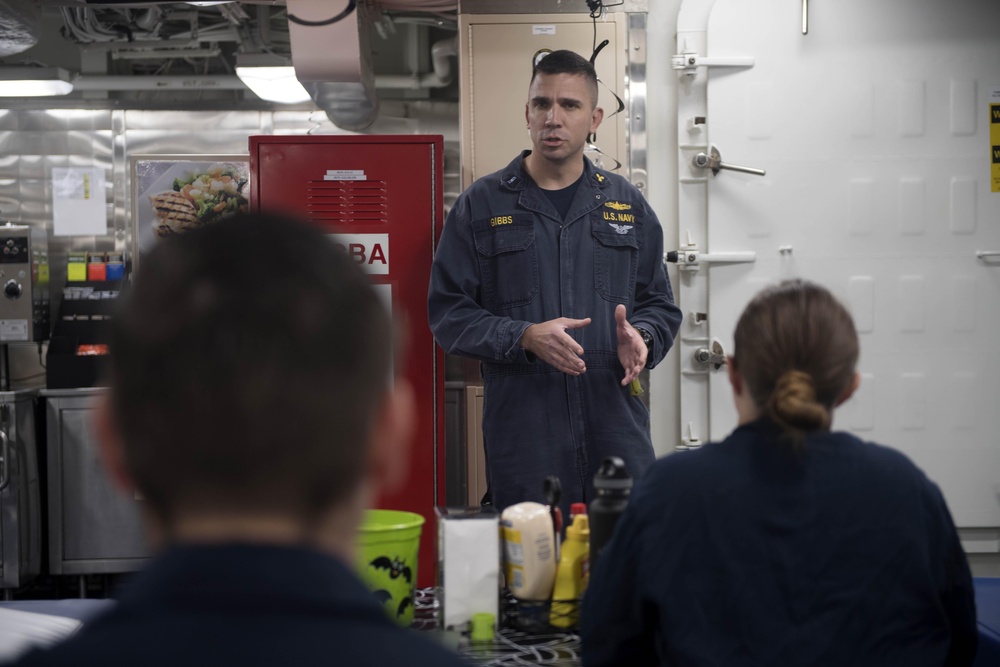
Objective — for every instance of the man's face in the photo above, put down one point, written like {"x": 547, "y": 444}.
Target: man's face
{"x": 561, "y": 112}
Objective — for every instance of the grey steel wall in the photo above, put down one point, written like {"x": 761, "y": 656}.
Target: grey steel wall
{"x": 33, "y": 141}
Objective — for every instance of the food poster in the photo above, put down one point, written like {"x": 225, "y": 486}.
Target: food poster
{"x": 174, "y": 194}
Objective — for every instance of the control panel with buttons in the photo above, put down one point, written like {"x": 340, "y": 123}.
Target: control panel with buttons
{"x": 14, "y": 250}
{"x": 24, "y": 297}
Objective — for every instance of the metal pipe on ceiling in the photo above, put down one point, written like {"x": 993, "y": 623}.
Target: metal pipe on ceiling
{"x": 197, "y": 82}
{"x": 441, "y": 54}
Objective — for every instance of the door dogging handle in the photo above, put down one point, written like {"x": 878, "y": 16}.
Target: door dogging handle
{"x": 713, "y": 160}
{"x": 714, "y": 355}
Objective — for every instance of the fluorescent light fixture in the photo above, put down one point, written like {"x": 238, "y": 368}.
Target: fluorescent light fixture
{"x": 34, "y": 81}
{"x": 271, "y": 78}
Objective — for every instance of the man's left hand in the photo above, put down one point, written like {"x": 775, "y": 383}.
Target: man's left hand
{"x": 631, "y": 348}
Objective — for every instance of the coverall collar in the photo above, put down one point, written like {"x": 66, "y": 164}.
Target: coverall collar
{"x": 589, "y": 195}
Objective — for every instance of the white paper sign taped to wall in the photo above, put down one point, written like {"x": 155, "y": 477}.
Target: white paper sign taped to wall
{"x": 79, "y": 206}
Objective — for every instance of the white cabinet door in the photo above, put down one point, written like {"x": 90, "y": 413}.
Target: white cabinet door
{"x": 874, "y": 129}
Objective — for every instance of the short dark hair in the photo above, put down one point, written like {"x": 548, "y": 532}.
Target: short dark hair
{"x": 797, "y": 349}
{"x": 564, "y": 61}
{"x": 247, "y": 363}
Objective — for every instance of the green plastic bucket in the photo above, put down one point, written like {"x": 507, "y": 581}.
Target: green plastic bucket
{"x": 388, "y": 545}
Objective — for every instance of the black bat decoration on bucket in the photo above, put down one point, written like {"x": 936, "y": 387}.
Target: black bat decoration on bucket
{"x": 395, "y": 567}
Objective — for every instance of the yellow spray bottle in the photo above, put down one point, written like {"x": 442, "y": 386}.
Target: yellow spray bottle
{"x": 572, "y": 574}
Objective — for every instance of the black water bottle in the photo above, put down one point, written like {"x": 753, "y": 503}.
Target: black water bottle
{"x": 613, "y": 485}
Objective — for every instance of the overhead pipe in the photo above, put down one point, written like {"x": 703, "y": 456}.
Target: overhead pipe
{"x": 441, "y": 54}
{"x": 332, "y": 59}
{"x": 20, "y": 27}
{"x": 102, "y": 83}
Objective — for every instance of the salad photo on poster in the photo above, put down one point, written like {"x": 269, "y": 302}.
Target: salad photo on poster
{"x": 172, "y": 194}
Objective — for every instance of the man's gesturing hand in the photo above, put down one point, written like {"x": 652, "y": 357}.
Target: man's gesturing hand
{"x": 631, "y": 349}
{"x": 549, "y": 342}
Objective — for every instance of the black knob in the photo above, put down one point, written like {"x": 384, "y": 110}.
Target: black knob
{"x": 12, "y": 289}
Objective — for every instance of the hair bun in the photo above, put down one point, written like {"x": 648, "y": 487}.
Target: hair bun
{"x": 793, "y": 403}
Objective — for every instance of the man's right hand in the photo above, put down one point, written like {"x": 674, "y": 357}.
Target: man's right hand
{"x": 549, "y": 342}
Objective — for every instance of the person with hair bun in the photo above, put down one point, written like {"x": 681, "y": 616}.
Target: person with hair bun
{"x": 787, "y": 543}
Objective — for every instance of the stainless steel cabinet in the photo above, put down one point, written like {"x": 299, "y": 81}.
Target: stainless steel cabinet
{"x": 20, "y": 501}
{"x": 93, "y": 527}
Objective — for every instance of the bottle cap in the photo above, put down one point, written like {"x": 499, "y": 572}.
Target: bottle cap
{"x": 613, "y": 477}
{"x": 577, "y": 508}
{"x": 483, "y": 624}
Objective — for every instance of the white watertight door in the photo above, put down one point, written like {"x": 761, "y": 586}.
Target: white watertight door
{"x": 874, "y": 131}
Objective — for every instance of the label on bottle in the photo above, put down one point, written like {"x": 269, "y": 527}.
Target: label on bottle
{"x": 515, "y": 577}
{"x": 512, "y": 543}
{"x": 543, "y": 547}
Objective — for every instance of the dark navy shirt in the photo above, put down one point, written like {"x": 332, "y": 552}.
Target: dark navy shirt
{"x": 562, "y": 198}
{"x": 216, "y": 606}
{"x": 743, "y": 553}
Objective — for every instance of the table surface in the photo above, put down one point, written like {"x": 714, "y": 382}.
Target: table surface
{"x": 543, "y": 647}
{"x": 517, "y": 647}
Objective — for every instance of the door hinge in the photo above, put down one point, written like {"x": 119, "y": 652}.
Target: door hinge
{"x": 691, "y": 441}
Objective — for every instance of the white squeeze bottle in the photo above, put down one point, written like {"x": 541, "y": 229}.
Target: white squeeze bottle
{"x": 528, "y": 550}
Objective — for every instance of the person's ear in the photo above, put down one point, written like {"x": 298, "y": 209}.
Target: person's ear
{"x": 110, "y": 445}
{"x": 849, "y": 390}
{"x": 392, "y": 433}
{"x": 735, "y": 378}
{"x": 527, "y": 117}
{"x": 596, "y": 118}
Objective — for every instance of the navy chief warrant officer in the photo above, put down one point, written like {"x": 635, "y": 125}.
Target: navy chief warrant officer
{"x": 550, "y": 272}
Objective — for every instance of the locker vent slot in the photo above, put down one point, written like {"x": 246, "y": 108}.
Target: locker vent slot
{"x": 346, "y": 203}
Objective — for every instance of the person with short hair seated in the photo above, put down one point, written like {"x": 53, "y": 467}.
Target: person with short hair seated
{"x": 787, "y": 544}
{"x": 253, "y": 404}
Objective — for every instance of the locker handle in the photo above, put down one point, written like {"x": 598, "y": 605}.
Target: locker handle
{"x": 5, "y": 460}
{"x": 713, "y": 161}
{"x": 985, "y": 254}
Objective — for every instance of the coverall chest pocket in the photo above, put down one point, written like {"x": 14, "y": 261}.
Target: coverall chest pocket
{"x": 507, "y": 261}
{"x": 616, "y": 260}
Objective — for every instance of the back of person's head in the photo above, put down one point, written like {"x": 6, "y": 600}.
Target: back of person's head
{"x": 247, "y": 365}
{"x": 564, "y": 61}
{"x": 796, "y": 348}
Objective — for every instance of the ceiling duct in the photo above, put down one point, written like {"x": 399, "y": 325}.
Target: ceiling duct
{"x": 332, "y": 58}
{"x": 18, "y": 27}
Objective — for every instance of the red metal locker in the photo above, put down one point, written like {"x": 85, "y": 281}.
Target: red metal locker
{"x": 382, "y": 196}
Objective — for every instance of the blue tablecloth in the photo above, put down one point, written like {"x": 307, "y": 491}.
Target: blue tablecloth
{"x": 988, "y": 615}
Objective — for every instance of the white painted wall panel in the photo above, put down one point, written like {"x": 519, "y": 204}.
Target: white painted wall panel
{"x": 877, "y": 185}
